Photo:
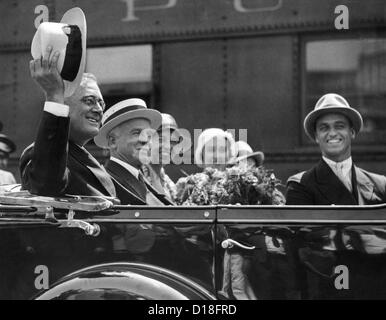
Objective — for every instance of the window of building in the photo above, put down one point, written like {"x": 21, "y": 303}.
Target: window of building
{"x": 123, "y": 72}
{"x": 354, "y": 68}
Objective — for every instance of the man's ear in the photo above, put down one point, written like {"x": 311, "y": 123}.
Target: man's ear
{"x": 353, "y": 133}
{"x": 111, "y": 140}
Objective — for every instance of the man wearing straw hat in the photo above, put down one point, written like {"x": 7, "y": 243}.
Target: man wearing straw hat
{"x": 333, "y": 124}
{"x": 167, "y": 136}
{"x": 127, "y": 129}
{"x": 57, "y": 163}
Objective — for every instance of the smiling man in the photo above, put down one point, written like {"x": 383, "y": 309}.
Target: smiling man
{"x": 57, "y": 163}
{"x": 127, "y": 128}
{"x": 165, "y": 139}
{"x": 333, "y": 124}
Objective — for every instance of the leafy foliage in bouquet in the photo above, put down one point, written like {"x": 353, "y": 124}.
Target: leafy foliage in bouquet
{"x": 235, "y": 185}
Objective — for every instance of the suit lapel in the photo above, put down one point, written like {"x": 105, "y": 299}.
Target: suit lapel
{"x": 366, "y": 187}
{"x": 131, "y": 183}
{"x": 160, "y": 196}
{"x": 126, "y": 179}
{"x": 331, "y": 187}
{"x": 354, "y": 184}
{"x": 86, "y": 159}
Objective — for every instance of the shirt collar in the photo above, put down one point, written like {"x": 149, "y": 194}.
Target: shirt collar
{"x": 128, "y": 167}
{"x": 346, "y": 164}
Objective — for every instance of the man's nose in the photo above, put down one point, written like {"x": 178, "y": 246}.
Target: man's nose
{"x": 332, "y": 132}
{"x": 144, "y": 137}
{"x": 97, "y": 107}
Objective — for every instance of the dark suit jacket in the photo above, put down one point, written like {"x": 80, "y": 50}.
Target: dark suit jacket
{"x": 54, "y": 166}
{"x": 129, "y": 189}
{"x": 320, "y": 186}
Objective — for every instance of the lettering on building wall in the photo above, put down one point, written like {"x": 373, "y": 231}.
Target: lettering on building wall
{"x": 131, "y": 8}
{"x": 239, "y": 6}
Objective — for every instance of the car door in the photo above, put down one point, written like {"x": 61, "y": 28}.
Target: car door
{"x": 299, "y": 252}
{"x": 60, "y": 256}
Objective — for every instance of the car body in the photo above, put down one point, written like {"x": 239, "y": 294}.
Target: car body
{"x": 200, "y": 252}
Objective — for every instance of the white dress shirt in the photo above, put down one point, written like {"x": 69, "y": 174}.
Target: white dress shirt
{"x": 342, "y": 170}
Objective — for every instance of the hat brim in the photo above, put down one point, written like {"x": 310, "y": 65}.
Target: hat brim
{"x": 74, "y": 16}
{"x": 12, "y": 146}
{"x": 258, "y": 156}
{"x": 152, "y": 115}
{"x": 352, "y": 114}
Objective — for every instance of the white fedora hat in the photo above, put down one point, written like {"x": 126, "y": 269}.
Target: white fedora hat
{"x": 206, "y": 136}
{"x": 244, "y": 151}
{"x": 69, "y": 38}
{"x": 123, "y": 111}
{"x": 332, "y": 103}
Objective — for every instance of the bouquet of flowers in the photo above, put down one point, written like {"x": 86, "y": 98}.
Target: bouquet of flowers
{"x": 234, "y": 185}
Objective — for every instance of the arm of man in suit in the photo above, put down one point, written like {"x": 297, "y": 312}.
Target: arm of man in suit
{"x": 297, "y": 193}
{"x": 46, "y": 173}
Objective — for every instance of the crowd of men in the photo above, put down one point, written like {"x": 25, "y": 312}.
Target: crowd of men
{"x": 57, "y": 163}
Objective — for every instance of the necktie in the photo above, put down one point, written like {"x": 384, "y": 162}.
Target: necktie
{"x": 141, "y": 178}
{"x": 151, "y": 199}
{"x": 344, "y": 178}
{"x": 142, "y": 190}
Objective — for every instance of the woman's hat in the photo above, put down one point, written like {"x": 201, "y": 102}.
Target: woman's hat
{"x": 332, "y": 103}
{"x": 69, "y": 38}
{"x": 123, "y": 111}
{"x": 208, "y": 135}
{"x": 244, "y": 151}
{"x": 7, "y": 146}
{"x": 168, "y": 122}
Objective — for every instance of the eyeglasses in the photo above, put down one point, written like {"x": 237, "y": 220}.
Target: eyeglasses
{"x": 92, "y": 101}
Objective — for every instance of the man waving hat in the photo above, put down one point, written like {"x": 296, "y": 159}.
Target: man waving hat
{"x": 57, "y": 163}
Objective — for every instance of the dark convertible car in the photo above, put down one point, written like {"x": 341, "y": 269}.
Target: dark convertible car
{"x": 85, "y": 248}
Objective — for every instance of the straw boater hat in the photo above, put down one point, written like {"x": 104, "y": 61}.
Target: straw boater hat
{"x": 244, "y": 151}
{"x": 122, "y": 112}
{"x": 208, "y": 135}
{"x": 332, "y": 103}
{"x": 7, "y": 146}
{"x": 69, "y": 38}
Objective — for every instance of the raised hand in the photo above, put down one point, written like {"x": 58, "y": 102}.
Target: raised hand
{"x": 44, "y": 71}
